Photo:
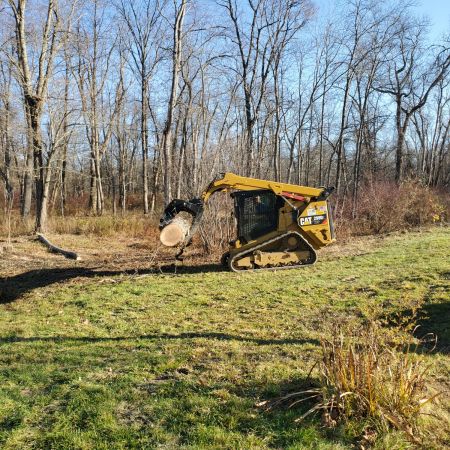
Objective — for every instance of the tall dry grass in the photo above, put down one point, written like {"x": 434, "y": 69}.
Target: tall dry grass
{"x": 364, "y": 376}
{"x": 133, "y": 225}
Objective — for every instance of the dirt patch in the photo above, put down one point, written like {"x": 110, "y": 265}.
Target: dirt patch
{"x": 126, "y": 255}
{"x": 28, "y": 264}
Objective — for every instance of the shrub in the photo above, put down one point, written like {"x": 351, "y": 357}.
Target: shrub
{"x": 363, "y": 376}
{"x": 384, "y": 207}
{"x": 217, "y": 226}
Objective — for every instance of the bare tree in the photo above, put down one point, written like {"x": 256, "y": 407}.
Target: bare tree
{"x": 409, "y": 79}
{"x": 99, "y": 107}
{"x": 261, "y": 42}
{"x": 432, "y": 126}
{"x": 6, "y": 141}
{"x": 177, "y": 41}
{"x": 34, "y": 94}
{"x": 148, "y": 99}
{"x": 143, "y": 25}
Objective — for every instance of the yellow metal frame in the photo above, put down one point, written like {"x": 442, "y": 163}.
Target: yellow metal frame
{"x": 232, "y": 181}
{"x": 318, "y": 235}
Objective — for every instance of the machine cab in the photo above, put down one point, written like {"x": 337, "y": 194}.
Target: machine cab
{"x": 256, "y": 212}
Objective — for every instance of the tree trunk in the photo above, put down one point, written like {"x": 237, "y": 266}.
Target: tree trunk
{"x": 167, "y": 133}
{"x": 340, "y": 143}
{"x": 6, "y": 174}
{"x": 144, "y": 139}
{"x": 93, "y": 185}
{"x": 65, "y": 145}
{"x": 400, "y": 141}
{"x": 27, "y": 188}
{"x": 34, "y": 106}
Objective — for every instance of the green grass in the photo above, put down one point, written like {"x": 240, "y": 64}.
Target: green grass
{"x": 180, "y": 361}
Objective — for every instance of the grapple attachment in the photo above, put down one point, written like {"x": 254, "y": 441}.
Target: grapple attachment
{"x": 193, "y": 207}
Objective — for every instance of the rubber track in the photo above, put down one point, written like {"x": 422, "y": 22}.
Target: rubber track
{"x": 276, "y": 238}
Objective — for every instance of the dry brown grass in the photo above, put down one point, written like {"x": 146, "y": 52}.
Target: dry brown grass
{"x": 132, "y": 225}
{"x": 364, "y": 376}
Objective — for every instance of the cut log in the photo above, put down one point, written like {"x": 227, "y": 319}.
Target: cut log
{"x": 54, "y": 249}
{"x": 174, "y": 233}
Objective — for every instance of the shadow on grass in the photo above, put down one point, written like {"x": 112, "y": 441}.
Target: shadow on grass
{"x": 434, "y": 316}
{"x": 268, "y": 410}
{"x": 432, "y": 328}
{"x": 287, "y": 401}
{"x": 11, "y": 288}
{"x": 174, "y": 399}
{"x": 434, "y": 319}
{"x": 193, "y": 335}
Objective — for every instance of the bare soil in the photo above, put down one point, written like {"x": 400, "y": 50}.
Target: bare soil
{"x": 127, "y": 255}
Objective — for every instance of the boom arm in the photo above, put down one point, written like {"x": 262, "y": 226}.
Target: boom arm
{"x": 232, "y": 181}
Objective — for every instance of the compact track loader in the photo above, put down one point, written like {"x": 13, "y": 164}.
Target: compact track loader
{"x": 279, "y": 225}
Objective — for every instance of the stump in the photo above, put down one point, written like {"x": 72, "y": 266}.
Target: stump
{"x": 174, "y": 233}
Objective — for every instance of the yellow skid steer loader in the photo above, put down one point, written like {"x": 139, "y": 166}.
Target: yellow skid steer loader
{"x": 279, "y": 225}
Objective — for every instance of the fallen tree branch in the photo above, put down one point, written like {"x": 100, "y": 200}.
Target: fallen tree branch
{"x": 54, "y": 249}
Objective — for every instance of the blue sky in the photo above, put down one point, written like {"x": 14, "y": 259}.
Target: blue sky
{"x": 438, "y": 11}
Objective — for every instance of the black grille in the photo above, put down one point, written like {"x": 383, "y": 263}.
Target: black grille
{"x": 256, "y": 213}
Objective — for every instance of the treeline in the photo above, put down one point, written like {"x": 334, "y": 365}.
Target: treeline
{"x": 101, "y": 100}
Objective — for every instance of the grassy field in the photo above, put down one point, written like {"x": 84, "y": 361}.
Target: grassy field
{"x": 103, "y": 360}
